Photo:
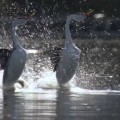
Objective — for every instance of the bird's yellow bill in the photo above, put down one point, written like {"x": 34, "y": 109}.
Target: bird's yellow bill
{"x": 32, "y": 14}
{"x": 88, "y": 13}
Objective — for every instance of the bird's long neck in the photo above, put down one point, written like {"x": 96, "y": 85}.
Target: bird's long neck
{"x": 15, "y": 38}
{"x": 69, "y": 41}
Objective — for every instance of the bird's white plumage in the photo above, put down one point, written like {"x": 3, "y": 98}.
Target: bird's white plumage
{"x": 16, "y": 61}
{"x": 70, "y": 55}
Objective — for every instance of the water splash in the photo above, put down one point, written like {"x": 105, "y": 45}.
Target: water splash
{"x": 47, "y": 85}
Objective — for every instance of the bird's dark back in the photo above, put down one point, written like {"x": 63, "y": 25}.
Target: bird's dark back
{"x": 55, "y": 57}
{"x": 4, "y": 55}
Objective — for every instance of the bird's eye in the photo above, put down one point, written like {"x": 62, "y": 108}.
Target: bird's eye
{"x": 82, "y": 13}
{"x": 16, "y": 28}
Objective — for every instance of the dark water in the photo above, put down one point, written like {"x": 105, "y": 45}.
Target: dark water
{"x": 63, "y": 105}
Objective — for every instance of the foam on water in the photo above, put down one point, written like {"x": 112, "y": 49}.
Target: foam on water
{"x": 46, "y": 83}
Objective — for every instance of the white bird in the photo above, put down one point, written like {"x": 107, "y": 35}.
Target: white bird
{"x": 16, "y": 60}
{"x": 70, "y": 55}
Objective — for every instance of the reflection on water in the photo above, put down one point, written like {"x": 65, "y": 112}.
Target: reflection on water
{"x": 24, "y": 107}
{"x": 63, "y": 105}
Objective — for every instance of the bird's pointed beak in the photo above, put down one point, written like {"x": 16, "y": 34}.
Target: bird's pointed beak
{"x": 32, "y": 14}
{"x": 88, "y": 13}
{"x": 30, "y": 17}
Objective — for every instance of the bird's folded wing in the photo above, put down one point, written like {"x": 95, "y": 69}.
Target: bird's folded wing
{"x": 4, "y": 55}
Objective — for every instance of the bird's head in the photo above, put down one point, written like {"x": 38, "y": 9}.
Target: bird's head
{"x": 76, "y": 17}
{"x": 79, "y": 17}
{"x": 19, "y": 21}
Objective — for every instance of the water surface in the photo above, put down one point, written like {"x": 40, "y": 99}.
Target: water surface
{"x": 61, "y": 104}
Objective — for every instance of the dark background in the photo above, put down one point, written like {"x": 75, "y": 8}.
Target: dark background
{"x": 55, "y": 7}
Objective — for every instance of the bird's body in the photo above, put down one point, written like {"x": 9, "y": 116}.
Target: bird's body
{"x": 70, "y": 55}
{"x": 67, "y": 65}
{"x": 14, "y": 67}
{"x": 16, "y": 61}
